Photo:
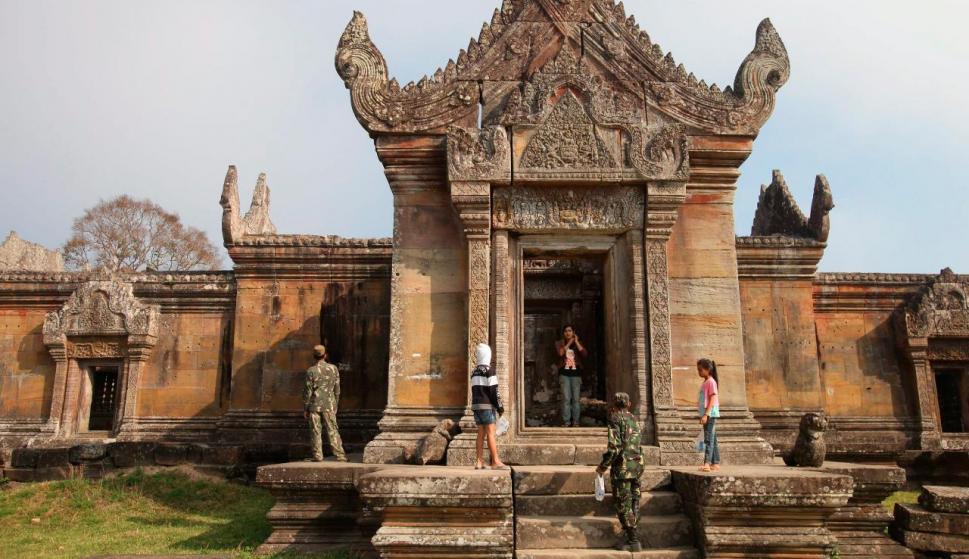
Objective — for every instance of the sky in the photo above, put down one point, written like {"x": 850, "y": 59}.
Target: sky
{"x": 155, "y": 99}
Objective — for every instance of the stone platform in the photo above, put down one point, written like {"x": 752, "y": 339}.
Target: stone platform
{"x": 763, "y": 511}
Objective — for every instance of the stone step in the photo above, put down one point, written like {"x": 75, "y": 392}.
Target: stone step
{"x": 569, "y": 532}
{"x": 575, "y": 480}
{"x": 651, "y": 503}
{"x": 666, "y": 553}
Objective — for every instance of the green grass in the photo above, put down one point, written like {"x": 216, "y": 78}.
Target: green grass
{"x": 169, "y": 512}
{"x": 904, "y": 497}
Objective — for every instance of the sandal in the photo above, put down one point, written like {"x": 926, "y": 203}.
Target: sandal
{"x": 705, "y": 468}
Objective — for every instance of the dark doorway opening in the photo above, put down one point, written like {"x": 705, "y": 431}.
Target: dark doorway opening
{"x": 562, "y": 290}
{"x": 104, "y": 396}
{"x": 953, "y": 393}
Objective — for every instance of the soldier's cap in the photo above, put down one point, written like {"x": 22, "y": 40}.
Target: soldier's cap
{"x": 319, "y": 350}
{"x": 621, "y": 400}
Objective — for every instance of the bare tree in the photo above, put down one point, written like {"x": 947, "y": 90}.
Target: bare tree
{"x": 124, "y": 234}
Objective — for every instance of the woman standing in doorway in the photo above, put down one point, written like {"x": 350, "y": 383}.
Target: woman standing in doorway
{"x": 708, "y": 406}
{"x": 570, "y": 354}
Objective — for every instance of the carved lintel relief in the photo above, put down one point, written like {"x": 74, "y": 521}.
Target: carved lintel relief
{"x": 96, "y": 349}
{"x": 605, "y": 208}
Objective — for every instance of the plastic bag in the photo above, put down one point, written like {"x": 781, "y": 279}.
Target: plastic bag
{"x": 700, "y": 444}
{"x": 600, "y": 487}
{"x": 502, "y": 426}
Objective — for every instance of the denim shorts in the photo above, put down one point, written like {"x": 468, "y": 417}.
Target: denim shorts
{"x": 484, "y": 417}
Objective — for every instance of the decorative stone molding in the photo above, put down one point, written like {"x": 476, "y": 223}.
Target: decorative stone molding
{"x": 478, "y": 155}
{"x": 523, "y": 35}
{"x": 778, "y": 257}
{"x": 940, "y": 310}
{"x": 779, "y": 215}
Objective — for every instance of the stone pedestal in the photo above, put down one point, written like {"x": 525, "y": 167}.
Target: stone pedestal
{"x": 763, "y": 511}
{"x": 317, "y": 507}
{"x": 860, "y": 525}
{"x": 442, "y": 512}
{"x": 939, "y": 525}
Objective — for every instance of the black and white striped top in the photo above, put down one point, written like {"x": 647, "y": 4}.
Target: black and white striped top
{"x": 484, "y": 390}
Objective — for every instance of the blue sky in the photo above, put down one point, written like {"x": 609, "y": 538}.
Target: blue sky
{"x": 155, "y": 99}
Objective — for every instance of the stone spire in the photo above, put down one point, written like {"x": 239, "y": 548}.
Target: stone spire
{"x": 256, "y": 221}
{"x": 257, "y": 218}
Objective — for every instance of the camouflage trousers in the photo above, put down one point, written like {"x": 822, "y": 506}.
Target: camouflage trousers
{"x": 318, "y": 422}
{"x": 625, "y": 494}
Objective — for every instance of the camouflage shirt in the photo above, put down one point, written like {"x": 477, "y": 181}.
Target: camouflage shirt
{"x": 624, "y": 456}
{"x": 322, "y": 391}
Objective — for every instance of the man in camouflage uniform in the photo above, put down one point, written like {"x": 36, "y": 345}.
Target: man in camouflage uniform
{"x": 624, "y": 459}
{"x": 320, "y": 399}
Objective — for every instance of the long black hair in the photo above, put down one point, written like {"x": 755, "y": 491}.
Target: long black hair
{"x": 709, "y": 365}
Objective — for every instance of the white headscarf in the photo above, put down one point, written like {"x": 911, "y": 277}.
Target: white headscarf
{"x": 482, "y": 355}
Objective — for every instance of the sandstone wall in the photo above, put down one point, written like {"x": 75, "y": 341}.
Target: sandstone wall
{"x": 26, "y": 368}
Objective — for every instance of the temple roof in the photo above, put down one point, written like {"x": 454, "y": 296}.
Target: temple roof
{"x": 524, "y": 36}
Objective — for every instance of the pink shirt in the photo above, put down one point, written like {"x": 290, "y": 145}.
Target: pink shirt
{"x": 708, "y": 393}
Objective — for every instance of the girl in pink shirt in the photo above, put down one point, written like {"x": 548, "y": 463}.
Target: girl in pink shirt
{"x": 708, "y": 406}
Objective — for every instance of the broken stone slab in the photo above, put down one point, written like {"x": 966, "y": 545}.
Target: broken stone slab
{"x": 918, "y": 519}
{"x": 945, "y": 499}
{"x": 432, "y": 449}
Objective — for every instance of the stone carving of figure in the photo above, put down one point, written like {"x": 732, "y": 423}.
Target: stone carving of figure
{"x": 321, "y": 397}
{"x": 809, "y": 449}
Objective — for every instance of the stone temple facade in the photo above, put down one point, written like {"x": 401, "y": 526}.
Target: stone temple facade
{"x": 563, "y": 169}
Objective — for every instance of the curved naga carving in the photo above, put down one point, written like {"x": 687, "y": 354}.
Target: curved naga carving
{"x": 381, "y": 105}
{"x": 941, "y": 309}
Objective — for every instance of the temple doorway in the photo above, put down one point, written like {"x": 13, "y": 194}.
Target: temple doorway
{"x": 563, "y": 290}
{"x": 101, "y": 396}
{"x": 952, "y": 387}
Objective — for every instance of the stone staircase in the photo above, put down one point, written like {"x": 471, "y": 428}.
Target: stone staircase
{"x": 557, "y": 516}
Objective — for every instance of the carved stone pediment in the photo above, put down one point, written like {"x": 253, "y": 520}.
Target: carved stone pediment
{"x": 102, "y": 308}
{"x": 940, "y": 310}
{"x": 524, "y": 35}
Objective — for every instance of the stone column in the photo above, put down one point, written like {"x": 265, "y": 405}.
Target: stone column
{"x": 662, "y": 202}
{"x": 427, "y": 377}
{"x": 472, "y": 200}
{"x": 927, "y": 399}
{"x": 138, "y": 353}
{"x": 58, "y": 352}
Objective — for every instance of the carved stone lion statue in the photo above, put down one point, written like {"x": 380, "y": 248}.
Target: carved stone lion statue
{"x": 809, "y": 449}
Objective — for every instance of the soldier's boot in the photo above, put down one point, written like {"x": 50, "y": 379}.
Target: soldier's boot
{"x": 632, "y": 539}
{"x": 623, "y": 543}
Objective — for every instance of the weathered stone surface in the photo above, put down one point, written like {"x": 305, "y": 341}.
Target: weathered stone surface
{"x": 575, "y": 480}
{"x": 87, "y": 452}
{"x": 917, "y": 519}
{"x": 929, "y": 541}
{"x": 763, "y": 511}
{"x": 778, "y": 213}
{"x": 860, "y": 526}
{"x": 674, "y": 553}
{"x": 19, "y": 255}
{"x": 651, "y": 503}
{"x": 131, "y": 454}
{"x": 434, "y": 511}
{"x": 945, "y": 499}
{"x": 599, "y": 531}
